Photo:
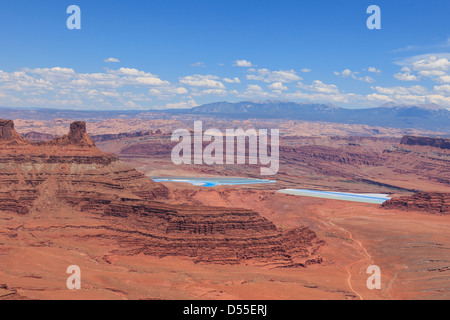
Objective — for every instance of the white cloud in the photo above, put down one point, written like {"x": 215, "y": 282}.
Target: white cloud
{"x": 217, "y": 92}
{"x": 439, "y": 99}
{"x": 319, "y": 86}
{"x": 277, "y": 86}
{"x": 432, "y": 73}
{"x": 392, "y": 90}
{"x": 433, "y": 66}
{"x": 234, "y": 80}
{"x": 254, "y": 88}
{"x": 406, "y": 75}
{"x": 418, "y": 90}
{"x": 443, "y": 79}
{"x": 130, "y": 72}
{"x": 444, "y": 89}
{"x": 325, "y": 97}
{"x": 43, "y": 87}
{"x": 110, "y": 94}
{"x": 366, "y": 79}
{"x": 378, "y": 97}
{"x": 374, "y": 70}
{"x": 206, "y": 81}
{"x": 242, "y": 63}
{"x": 55, "y": 70}
{"x": 255, "y": 91}
{"x": 432, "y": 63}
{"x": 151, "y": 81}
{"x": 306, "y": 70}
{"x": 133, "y": 88}
{"x": 345, "y": 73}
{"x": 412, "y": 95}
{"x": 165, "y": 92}
{"x": 111, "y": 60}
{"x": 413, "y": 60}
{"x": 353, "y": 74}
{"x": 284, "y": 76}
{"x": 198, "y": 64}
{"x": 180, "y": 105}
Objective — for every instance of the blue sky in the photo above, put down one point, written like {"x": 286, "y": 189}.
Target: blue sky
{"x": 179, "y": 54}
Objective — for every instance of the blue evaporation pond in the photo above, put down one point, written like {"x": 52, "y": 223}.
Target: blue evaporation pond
{"x": 357, "y": 197}
{"x": 212, "y": 182}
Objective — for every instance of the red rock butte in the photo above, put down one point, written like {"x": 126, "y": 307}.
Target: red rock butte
{"x": 70, "y": 177}
{"x": 7, "y": 132}
{"x": 77, "y": 135}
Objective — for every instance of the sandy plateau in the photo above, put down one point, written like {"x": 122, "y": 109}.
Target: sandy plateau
{"x": 65, "y": 202}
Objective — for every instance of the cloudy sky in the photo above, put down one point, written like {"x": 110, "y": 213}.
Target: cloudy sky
{"x": 179, "y": 54}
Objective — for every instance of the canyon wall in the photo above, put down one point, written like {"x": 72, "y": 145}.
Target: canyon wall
{"x": 70, "y": 175}
{"x": 427, "y": 202}
{"x": 426, "y": 141}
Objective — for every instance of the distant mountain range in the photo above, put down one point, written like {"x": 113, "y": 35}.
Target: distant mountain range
{"x": 425, "y": 117}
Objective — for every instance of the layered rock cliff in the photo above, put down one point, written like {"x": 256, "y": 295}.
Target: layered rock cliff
{"x": 71, "y": 162}
{"x": 8, "y": 134}
{"x": 70, "y": 175}
{"x": 428, "y": 202}
{"x": 426, "y": 141}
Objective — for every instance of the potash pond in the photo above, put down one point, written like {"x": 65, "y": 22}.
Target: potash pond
{"x": 212, "y": 182}
{"x": 357, "y": 197}
{"x": 235, "y": 181}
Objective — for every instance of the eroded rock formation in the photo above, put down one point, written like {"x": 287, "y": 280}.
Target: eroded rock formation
{"x": 426, "y": 141}
{"x": 77, "y": 136}
{"x": 429, "y": 202}
{"x": 71, "y": 175}
{"x": 7, "y": 132}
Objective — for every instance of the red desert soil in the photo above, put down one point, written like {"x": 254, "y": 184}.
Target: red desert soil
{"x": 411, "y": 248}
{"x": 67, "y": 199}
